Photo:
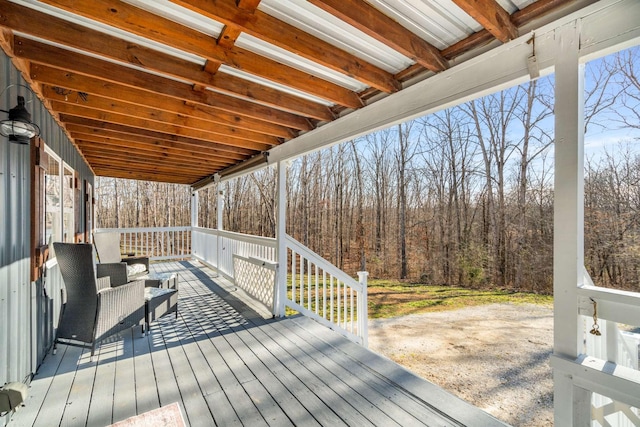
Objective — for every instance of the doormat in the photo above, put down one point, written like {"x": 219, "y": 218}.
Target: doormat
{"x": 169, "y": 416}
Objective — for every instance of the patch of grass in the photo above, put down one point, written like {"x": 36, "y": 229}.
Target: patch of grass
{"x": 391, "y": 298}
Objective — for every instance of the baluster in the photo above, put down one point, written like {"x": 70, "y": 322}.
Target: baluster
{"x": 316, "y": 285}
{"x": 309, "y": 299}
{"x": 331, "y": 298}
{"x": 338, "y": 301}
{"x": 344, "y": 303}
{"x": 324, "y": 294}
{"x": 301, "y": 280}
{"x": 351, "y": 309}
{"x": 293, "y": 276}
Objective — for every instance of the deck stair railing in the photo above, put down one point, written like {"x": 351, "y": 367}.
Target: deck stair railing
{"x": 322, "y": 291}
{"x": 315, "y": 287}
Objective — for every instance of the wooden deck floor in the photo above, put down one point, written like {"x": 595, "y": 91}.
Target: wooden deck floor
{"x": 227, "y": 366}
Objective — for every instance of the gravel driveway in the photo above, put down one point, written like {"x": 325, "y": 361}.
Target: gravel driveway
{"x": 493, "y": 356}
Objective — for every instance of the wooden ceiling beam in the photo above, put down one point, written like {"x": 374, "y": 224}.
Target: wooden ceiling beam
{"x": 228, "y": 37}
{"x": 133, "y": 146}
{"x": 147, "y": 165}
{"x": 125, "y": 133}
{"x": 97, "y": 86}
{"x": 371, "y": 21}
{"x": 139, "y": 111}
{"x": 147, "y": 168}
{"x": 117, "y": 157}
{"x": 97, "y": 124}
{"x": 150, "y": 152}
{"x": 491, "y": 16}
{"x": 145, "y": 24}
{"x": 29, "y": 21}
{"x": 111, "y": 137}
{"x": 141, "y": 127}
{"x": 128, "y": 174}
{"x": 519, "y": 18}
{"x": 249, "y": 5}
{"x": 115, "y": 106}
{"x": 106, "y": 155}
{"x": 538, "y": 9}
{"x": 286, "y": 36}
{"x": 242, "y": 138}
{"x": 40, "y": 53}
{"x": 162, "y": 104}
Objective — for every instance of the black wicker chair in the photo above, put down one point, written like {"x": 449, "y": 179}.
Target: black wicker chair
{"x": 113, "y": 264}
{"x": 92, "y": 310}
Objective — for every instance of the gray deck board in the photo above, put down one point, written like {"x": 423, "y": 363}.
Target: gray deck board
{"x": 196, "y": 408}
{"x": 101, "y": 409}
{"x": 226, "y": 365}
{"x": 124, "y": 396}
{"x": 380, "y": 406}
{"x": 39, "y": 389}
{"x": 167, "y": 386}
{"x": 79, "y": 397}
{"x": 55, "y": 401}
{"x": 146, "y": 390}
{"x": 378, "y": 390}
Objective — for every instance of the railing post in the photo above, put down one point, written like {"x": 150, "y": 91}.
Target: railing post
{"x": 363, "y": 309}
{"x": 219, "y": 227}
{"x": 281, "y": 238}
{"x": 195, "y": 203}
{"x": 194, "y": 208}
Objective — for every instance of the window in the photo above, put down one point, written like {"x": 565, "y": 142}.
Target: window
{"x": 68, "y": 225}
{"x": 59, "y": 214}
{"x": 88, "y": 211}
{"x": 53, "y": 200}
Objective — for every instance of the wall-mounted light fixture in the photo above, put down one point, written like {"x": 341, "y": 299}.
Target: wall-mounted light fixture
{"x": 18, "y": 127}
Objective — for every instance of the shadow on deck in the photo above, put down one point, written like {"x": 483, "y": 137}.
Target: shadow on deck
{"x": 226, "y": 365}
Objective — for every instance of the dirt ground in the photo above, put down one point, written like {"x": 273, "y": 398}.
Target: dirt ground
{"x": 493, "y": 356}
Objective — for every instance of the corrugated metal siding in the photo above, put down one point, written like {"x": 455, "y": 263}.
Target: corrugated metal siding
{"x": 16, "y": 349}
{"x": 27, "y": 313}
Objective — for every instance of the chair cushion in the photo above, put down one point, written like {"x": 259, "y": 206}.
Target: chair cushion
{"x": 108, "y": 246}
{"x": 135, "y": 269}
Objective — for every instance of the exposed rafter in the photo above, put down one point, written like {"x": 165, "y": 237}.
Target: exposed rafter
{"x": 374, "y": 23}
{"x": 196, "y": 86}
{"x": 491, "y": 16}
{"x": 145, "y": 24}
{"x": 281, "y": 34}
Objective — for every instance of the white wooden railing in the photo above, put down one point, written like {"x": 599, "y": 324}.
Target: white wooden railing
{"x": 315, "y": 287}
{"x": 615, "y": 346}
{"x": 159, "y": 243}
{"x": 325, "y": 293}
{"x": 217, "y": 248}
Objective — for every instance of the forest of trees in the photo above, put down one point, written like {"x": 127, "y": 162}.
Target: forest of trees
{"x": 461, "y": 197}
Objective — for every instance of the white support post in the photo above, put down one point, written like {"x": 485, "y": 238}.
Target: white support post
{"x": 281, "y": 234}
{"x": 363, "y": 309}
{"x": 194, "y": 208}
{"x": 219, "y": 225}
{"x": 571, "y": 404}
{"x": 194, "y": 215}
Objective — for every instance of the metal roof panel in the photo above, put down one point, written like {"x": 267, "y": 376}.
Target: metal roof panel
{"x": 439, "y": 22}
{"x": 313, "y": 20}
{"x": 283, "y": 56}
